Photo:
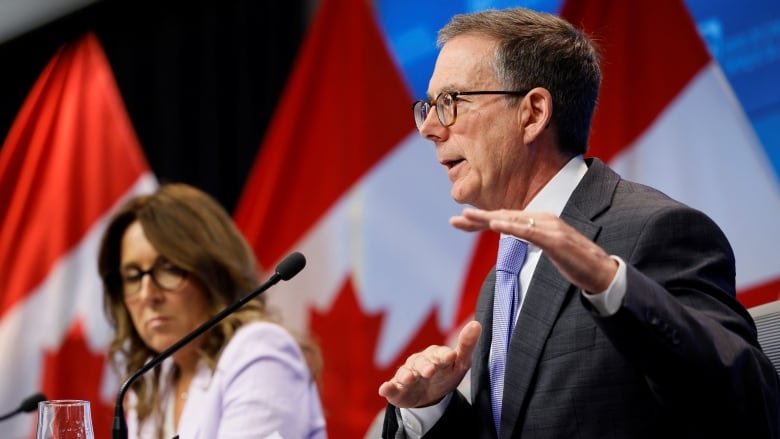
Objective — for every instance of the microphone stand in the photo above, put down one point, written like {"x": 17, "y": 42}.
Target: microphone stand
{"x": 285, "y": 270}
{"x": 29, "y": 404}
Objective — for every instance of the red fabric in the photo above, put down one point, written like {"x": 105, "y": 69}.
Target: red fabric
{"x": 755, "y": 295}
{"x": 343, "y": 109}
{"x": 69, "y": 155}
{"x": 650, "y": 52}
{"x": 68, "y": 158}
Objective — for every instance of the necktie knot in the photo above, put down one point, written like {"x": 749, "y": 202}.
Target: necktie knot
{"x": 511, "y": 254}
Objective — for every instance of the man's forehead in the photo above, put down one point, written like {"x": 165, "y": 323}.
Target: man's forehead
{"x": 463, "y": 63}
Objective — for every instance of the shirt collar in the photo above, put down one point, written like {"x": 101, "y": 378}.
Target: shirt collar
{"x": 555, "y": 194}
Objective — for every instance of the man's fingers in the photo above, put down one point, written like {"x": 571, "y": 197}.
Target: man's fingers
{"x": 468, "y": 338}
{"x": 460, "y": 222}
{"x": 394, "y": 390}
{"x": 432, "y": 373}
{"x": 433, "y": 358}
{"x": 471, "y": 220}
{"x": 388, "y": 390}
{"x": 406, "y": 375}
{"x": 393, "y": 393}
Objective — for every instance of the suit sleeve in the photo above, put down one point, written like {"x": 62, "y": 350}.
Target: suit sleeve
{"x": 681, "y": 324}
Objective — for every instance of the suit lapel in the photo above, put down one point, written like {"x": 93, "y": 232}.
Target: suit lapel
{"x": 545, "y": 297}
{"x": 480, "y": 379}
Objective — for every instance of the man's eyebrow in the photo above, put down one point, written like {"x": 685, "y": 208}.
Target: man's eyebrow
{"x": 445, "y": 89}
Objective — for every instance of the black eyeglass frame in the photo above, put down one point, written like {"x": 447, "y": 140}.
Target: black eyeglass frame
{"x": 421, "y": 115}
{"x": 117, "y": 280}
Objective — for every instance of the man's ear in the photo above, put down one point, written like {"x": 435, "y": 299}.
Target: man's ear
{"x": 536, "y": 113}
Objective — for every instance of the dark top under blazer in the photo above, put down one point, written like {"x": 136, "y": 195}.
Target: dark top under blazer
{"x": 680, "y": 359}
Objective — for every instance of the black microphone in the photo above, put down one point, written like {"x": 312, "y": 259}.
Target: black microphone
{"x": 28, "y": 405}
{"x": 285, "y": 270}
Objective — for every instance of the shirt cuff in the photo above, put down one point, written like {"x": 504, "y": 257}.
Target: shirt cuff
{"x": 608, "y": 302}
{"x": 418, "y": 421}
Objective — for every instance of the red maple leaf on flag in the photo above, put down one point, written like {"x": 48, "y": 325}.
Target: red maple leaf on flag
{"x": 84, "y": 370}
{"x": 350, "y": 373}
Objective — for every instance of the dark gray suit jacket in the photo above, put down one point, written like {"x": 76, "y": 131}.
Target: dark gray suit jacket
{"x": 679, "y": 359}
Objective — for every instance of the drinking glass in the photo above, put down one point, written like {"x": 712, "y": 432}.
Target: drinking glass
{"x": 64, "y": 419}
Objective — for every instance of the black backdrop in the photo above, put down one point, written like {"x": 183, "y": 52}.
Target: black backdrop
{"x": 200, "y": 79}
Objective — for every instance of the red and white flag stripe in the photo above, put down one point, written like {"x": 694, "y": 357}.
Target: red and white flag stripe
{"x": 69, "y": 158}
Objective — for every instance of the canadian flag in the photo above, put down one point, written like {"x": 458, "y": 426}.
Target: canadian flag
{"x": 69, "y": 158}
{"x": 667, "y": 117}
{"x": 343, "y": 177}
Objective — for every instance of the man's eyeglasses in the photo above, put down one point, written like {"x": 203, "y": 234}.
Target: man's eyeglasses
{"x": 446, "y": 104}
{"x": 165, "y": 275}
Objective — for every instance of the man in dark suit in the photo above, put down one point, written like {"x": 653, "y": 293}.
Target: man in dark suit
{"x": 623, "y": 321}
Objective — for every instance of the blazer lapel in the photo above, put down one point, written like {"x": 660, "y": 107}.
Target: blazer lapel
{"x": 192, "y": 418}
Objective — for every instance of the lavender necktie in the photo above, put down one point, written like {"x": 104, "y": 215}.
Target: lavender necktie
{"x": 506, "y": 299}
